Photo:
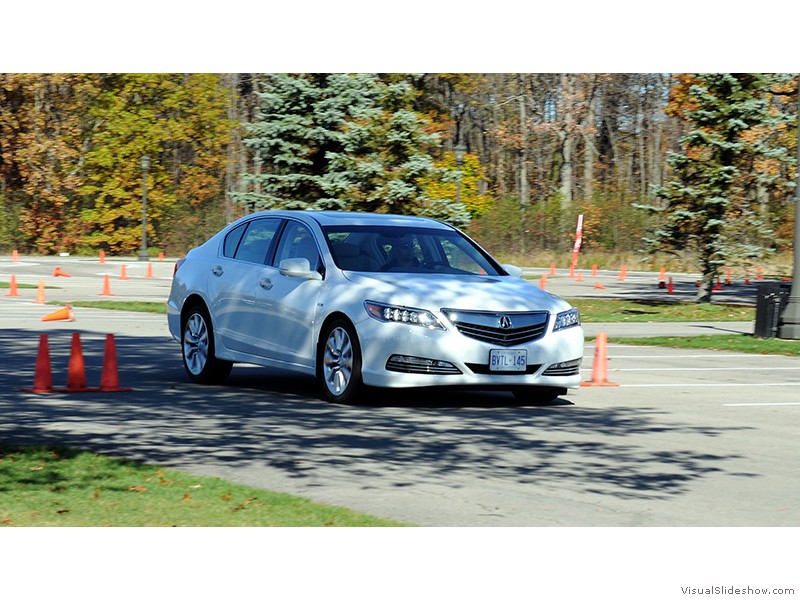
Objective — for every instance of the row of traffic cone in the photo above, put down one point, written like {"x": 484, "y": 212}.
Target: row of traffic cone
{"x": 13, "y": 287}
{"x": 76, "y": 372}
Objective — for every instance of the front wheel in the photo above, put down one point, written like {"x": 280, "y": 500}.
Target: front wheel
{"x": 197, "y": 344}
{"x": 339, "y": 363}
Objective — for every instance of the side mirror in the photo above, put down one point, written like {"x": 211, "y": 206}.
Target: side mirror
{"x": 298, "y": 267}
{"x": 512, "y": 270}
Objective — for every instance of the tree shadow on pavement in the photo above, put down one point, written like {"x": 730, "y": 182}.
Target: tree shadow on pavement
{"x": 276, "y": 421}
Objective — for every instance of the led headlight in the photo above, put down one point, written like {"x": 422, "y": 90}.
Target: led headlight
{"x": 568, "y": 318}
{"x": 389, "y": 313}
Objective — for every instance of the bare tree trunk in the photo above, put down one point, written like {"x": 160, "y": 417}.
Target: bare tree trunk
{"x": 234, "y": 145}
{"x": 524, "y": 191}
{"x": 590, "y": 151}
{"x": 567, "y": 137}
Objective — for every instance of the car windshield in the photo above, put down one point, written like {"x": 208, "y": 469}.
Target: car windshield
{"x": 407, "y": 250}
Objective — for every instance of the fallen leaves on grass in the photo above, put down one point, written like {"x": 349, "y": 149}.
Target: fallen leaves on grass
{"x": 244, "y": 504}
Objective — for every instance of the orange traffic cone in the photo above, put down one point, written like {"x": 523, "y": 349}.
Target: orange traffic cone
{"x": 102, "y": 257}
{"x": 12, "y": 287}
{"x": 43, "y": 377}
{"x": 57, "y": 272}
{"x": 579, "y": 276}
{"x": 62, "y": 314}
{"x": 109, "y": 380}
{"x": 600, "y": 365}
{"x": 40, "y": 293}
{"x": 552, "y": 268}
{"x": 670, "y": 287}
{"x": 599, "y": 286}
{"x": 160, "y": 257}
{"x": 149, "y": 273}
{"x": 543, "y": 282}
{"x": 623, "y": 273}
{"x": 76, "y": 373}
{"x": 123, "y": 276}
{"x": 106, "y": 286}
{"x": 594, "y": 270}
{"x": 662, "y": 275}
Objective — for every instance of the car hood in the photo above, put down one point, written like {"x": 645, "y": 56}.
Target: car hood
{"x": 463, "y": 292}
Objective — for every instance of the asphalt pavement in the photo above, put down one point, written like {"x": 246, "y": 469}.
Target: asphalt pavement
{"x": 688, "y": 438}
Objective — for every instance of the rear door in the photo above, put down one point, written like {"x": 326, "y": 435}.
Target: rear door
{"x": 234, "y": 281}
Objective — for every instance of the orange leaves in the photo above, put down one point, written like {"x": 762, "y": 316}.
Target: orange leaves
{"x": 244, "y": 504}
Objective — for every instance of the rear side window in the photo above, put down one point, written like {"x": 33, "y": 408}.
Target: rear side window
{"x": 255, "y": 244}
{"x": 232, "y": 241}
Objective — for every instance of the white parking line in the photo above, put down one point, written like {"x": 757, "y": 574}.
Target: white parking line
{"x": 743, "y": 369}
{"x": 660, "y": 356}
{"x": 765, "y": 404}
{"x": 716, "y": 385}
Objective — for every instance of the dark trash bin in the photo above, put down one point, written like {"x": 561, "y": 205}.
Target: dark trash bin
{"x": 773, "y": 296}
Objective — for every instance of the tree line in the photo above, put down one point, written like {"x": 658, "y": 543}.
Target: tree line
{"x": 538, "y": 149}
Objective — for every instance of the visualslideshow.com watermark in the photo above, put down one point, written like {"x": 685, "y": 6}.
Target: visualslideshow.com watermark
{"x": 732, "y": 590}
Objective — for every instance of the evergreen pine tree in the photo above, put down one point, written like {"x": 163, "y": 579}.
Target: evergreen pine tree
{"x": 342, "y": 142}
{"x": 708, "y": 207}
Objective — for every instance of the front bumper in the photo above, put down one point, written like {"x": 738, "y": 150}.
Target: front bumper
{"x": 419, "y": 348}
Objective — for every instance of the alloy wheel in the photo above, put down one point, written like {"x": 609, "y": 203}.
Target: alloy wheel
{"x": 337, "y": 366}
{"x": 195, "y": 344}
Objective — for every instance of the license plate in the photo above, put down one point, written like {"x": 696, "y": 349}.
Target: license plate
{"x": 508, "y": 360}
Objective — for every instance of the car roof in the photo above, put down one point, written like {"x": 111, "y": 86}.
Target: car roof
{"x": 333, "y": 218}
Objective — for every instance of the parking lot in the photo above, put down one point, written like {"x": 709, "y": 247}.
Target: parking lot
{"x": 688, "y": 438}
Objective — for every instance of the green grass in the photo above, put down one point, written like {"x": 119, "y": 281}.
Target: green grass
{"x": 746, "y": 344}
{"x": 48, "y": 486}
{"x": 629, "y": 311}
{"x": 4, "y": 285}
{"x": 148, "y": 307}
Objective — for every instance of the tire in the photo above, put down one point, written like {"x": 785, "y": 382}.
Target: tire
{"x": 539, "y": 395}
{"x": 197, "y": 349}
{"x": 339, "y": 363}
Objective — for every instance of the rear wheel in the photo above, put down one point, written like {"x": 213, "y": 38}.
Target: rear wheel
{"x": 197, "y": 344}
{"x": 339, "y": 363}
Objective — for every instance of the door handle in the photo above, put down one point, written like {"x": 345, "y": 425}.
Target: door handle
{"x": 217, "y": 270}
{"x": 266, "y": 284}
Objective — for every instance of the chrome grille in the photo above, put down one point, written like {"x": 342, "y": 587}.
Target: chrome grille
{"x": 502, "y": 329}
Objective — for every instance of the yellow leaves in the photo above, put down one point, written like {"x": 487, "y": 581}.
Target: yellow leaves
{"x": 137, "y": 488}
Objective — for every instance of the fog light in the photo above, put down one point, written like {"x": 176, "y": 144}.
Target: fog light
{"x": 400, "y": 363}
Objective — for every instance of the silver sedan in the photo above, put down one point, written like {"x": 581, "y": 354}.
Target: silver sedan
{"x": 363, "y": 300}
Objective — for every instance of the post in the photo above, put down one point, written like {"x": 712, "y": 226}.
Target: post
{"x": 460, "y": 150}
{"x": 145, "y": 161}
{"x": 790, "y": 318}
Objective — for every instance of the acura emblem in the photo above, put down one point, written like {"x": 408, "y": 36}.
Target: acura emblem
{"x": 505, "y": 322}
